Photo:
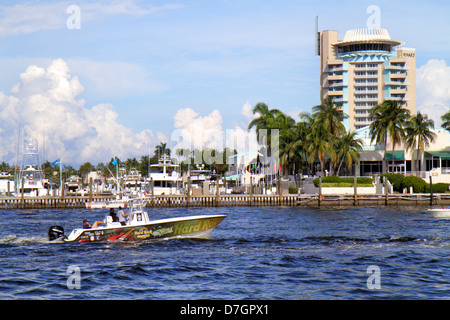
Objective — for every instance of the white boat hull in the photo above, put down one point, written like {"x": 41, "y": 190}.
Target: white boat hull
{"x": 95, "y": 205}
{"x": 440, "y": 212}
{"x": 194, "y": 226}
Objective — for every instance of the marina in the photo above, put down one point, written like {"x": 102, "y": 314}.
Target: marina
{"x": 229, "y": 201}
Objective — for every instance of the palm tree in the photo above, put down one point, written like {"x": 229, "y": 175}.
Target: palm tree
{"x": 388, "y": 120}
{"x": 285, "y": 124}
{"x": 264, "y": 121}
{"x": 162, "y": 149}
{"x": 418, "y": 135}
{"x": 378, "y": 128}
{"x": 318, "y": 145}
{"x": 446, "y": 121}
{"x": 266, "y": 116}
{"x": 291, "y": 148}
{"x": 330, "y": 115}
{"x": 348, "y": 147}
{"x": 396, "y": 119}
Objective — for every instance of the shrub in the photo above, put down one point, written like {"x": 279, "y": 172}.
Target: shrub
{"x": 438, "y": 187}
{"x": 293, "y": 190}
{"x": 331, "y": 179}
{"x": 395, "y": 179}
{"x": 419, "y": 185}
{"x": 335, "y": 181}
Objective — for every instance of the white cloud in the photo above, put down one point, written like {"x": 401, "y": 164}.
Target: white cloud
{"x": 32, "y": 17}
{"x": 433, "y": 89}
{"x": 198, "y": 132}
{"x": 47, "y": 104}
{"x": 195, "y": 131}
{"x": 247, "y": 112}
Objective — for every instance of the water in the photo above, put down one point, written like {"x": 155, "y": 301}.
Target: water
{"x": 255, "y": 253}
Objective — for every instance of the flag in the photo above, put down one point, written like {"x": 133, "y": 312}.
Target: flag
{"x": 114, "y": 162}
{"x": 58, "y": 161}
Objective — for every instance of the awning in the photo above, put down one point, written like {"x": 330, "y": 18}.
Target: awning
{"x": 398, "y": 155}
{"x": 440, "y": 154}
{"x": 233, "y": 177}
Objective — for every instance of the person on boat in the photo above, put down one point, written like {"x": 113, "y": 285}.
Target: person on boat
{"x": 113, "y": 215}
{"x": 87, "y": 225}
{"x": 122, "y": 216}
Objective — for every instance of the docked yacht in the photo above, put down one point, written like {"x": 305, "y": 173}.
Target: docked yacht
{"x": 30, "y": 179}
{"x": 164, "y": 177}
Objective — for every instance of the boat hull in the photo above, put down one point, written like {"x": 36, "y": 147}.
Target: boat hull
{"x": 165, "y": 228}
{"x": 95, "y": 205}
{"x": 440, "y": 213}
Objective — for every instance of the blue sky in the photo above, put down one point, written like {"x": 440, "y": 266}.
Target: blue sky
{"x": 147, "y": 60}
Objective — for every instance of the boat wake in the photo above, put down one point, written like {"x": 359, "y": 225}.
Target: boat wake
{"x": 15, "y": 240}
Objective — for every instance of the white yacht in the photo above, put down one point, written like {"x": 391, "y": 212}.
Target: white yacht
{"x": 30, "y": 180}
{"x": 164, "y": 177}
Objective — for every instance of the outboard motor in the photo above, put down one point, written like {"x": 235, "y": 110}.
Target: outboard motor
{"x": 56, "y": 232}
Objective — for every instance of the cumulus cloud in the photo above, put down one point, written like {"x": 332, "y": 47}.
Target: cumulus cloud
{"x": 433, "y": 89}
{"x": 195, "y": 131}
{"x": 46, "y": 105}
{"x": 246, "y": 112}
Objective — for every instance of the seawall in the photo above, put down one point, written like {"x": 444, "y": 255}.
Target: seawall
{"x": 234, "y": 200}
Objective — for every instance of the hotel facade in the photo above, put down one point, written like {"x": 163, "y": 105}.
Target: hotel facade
{"x": 361, "y": 71}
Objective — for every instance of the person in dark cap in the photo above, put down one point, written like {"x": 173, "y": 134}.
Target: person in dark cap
{"x": 113, "y": 215}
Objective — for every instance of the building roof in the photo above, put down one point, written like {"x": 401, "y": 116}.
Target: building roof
{"x": 368, "y": 35}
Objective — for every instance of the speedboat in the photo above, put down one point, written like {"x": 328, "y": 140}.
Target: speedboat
{"x": 440, "y": 212}
{"x": 139, "y": 227}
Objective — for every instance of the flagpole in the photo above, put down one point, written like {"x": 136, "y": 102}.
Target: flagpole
{"x": 117, "y": 176}
{"x": 60, "y": 176}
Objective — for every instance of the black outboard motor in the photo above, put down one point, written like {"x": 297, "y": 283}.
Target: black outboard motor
{"x": 55, "y": 233}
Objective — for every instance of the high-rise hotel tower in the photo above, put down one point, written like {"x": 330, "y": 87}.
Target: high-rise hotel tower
{"x": 364, "y": 69}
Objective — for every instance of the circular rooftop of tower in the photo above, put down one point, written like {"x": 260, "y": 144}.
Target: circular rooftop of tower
{"x": 368, "y": 35}
{"x": 367, "y": 39}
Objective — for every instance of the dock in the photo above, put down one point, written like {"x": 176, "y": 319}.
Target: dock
{"x": 234, "y": 200}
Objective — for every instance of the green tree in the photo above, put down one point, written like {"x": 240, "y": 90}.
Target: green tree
{"x": 446, "y": 121}
{"x": 265, "y": 120}
{"x": 419, "y": 135}
{"x": 318, "y": 146}
{"x": 389, "y": 120}
{"x": 330, "y": 115}
{"x": 348, "y": 147}
{"x": 285, "y": 124}
{"x": 162, "y": 149}
{"x": 378, "y": 128}
{"x": 143, "y": 165}
{"x": 84, "y": 169}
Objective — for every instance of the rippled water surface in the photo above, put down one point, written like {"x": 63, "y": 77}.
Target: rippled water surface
{"x": 255, "y": 253}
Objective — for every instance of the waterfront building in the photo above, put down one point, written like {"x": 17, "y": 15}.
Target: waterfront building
{"x": 361, "y": 71}
{"x": 364, "y": 69}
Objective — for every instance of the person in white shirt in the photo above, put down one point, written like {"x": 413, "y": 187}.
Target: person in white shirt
{"x": 122, "y": 216}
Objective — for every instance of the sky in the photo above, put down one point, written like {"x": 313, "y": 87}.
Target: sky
{"x": 91, "y": 80}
